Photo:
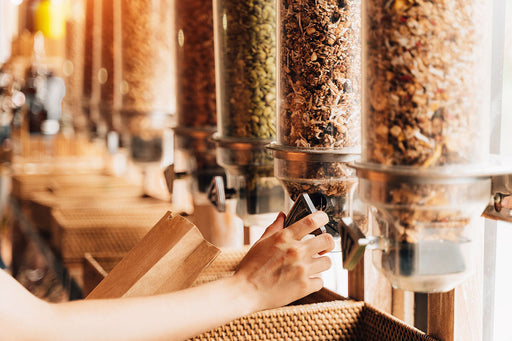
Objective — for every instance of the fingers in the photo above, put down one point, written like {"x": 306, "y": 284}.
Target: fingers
{"x": 275, "y": 226}
{"x": 308, "y": 224}
{"x": 320, "y": 244}
{"x": 315, "y": 284}
{"x": 319, "y": 265}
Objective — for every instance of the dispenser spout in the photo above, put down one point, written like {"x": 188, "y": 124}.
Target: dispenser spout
{"x": 218, "y": 193}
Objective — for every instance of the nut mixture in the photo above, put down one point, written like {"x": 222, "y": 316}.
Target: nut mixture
{"x": 195, "y": 64}
{"x": 320, "y": 73}
{"x": 147, "y": 56}
{"x": 425, "y": 88}
{"x": 248, "y": 68}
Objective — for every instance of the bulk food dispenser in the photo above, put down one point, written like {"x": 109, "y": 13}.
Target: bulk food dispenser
{"x": 425, "y": 168}
{"x": 146, "y": 83}
{"x": 245, "y": 51}
{"x": 319, "y": 107}
{"x": 197, "y": 120}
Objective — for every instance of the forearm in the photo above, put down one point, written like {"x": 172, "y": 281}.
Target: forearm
{"x": 175, "y": 316}
{"x": 278, "y": 269}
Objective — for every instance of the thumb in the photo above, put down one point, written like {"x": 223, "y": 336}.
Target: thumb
{"x": 277, "y": 225}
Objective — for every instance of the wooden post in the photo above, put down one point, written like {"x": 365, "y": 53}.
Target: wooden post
{"x": 403, "y": 305}
{"x": 457, "y": 314}
{"x": 366, "y": 283}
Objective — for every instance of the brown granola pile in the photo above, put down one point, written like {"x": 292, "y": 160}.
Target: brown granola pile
{"x": 319, "y": 73}
{"x": 424, "y": 86}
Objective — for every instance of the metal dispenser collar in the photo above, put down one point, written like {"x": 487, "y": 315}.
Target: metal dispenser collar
{"x": 198, "y": 150}
{"x": 317, "y": 178}
{"x": 238, "y": 153}
{"x": 194, "y": 139}
{"x": 315, "y": 155}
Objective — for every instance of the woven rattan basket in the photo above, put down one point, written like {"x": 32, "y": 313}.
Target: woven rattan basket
{"x": 334, "y": 320}
{"x": 42, "y": 204}
{"x": 114, "y": 229}
{"x": 323, "y": 315}
{"x": 73, "y": 185}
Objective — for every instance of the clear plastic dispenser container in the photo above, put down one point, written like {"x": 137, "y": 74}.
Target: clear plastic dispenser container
{"x": 319, "y": 103}
{"x": 196, "y": 117}
{"x": 246, "y": 53}
{"x": 426, "y": 108}
{"x": 147, "y": 96}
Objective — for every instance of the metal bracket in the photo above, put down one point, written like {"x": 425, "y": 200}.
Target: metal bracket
{"x": 500, "y": 207}
{"x": 353, "y": 243}
{"x": 170, "y": 175}
{"x": 218, "y": 193}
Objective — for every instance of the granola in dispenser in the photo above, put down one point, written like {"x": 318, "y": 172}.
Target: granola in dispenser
{"x": 248, "y": 66}
{"x": 425, "y": 82}
{"x": 195, "y": 64}
{"x": 332, "y": 179}
{"x": 319, "y": 73}
{"x": 147, "y": 56}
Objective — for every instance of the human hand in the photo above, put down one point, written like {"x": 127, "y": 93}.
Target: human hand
{"x": 282, "y": 267}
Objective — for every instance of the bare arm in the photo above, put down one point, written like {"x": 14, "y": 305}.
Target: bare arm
{"x": 277, "y": 270}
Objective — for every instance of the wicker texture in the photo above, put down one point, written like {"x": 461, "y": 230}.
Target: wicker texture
{"x": 337, "y": 320}
{"x": 54, "y": 200}
{"x": 73, "y": 185}
{"x": 223, "y": 266}
{"x": 380, "y": 326}
{"x": 117, "y": 230}
{"x": 42, "y": 203}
